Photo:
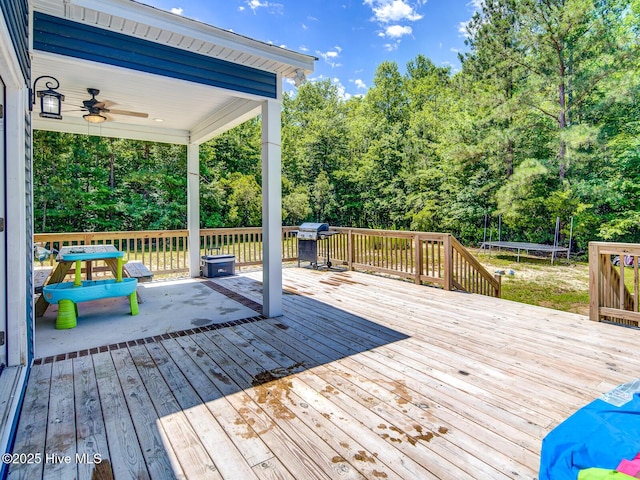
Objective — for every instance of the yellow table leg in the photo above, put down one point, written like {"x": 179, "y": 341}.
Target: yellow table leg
{"x": 119, "y": 274}
{"x": 78, "y": 279}
{"x": 133, "y": 301}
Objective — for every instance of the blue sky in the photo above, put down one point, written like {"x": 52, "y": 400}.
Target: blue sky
{"x": 350, "y": 38}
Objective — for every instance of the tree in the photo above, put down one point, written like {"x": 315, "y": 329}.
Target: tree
{"x": 295, "y": 206}
{"x": 244, "y": 201}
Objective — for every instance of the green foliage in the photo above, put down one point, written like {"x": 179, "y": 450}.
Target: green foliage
{"x": 296, "y": 206}
{"x": 541, "y": 122}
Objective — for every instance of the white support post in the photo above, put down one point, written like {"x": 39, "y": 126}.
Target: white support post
{"x": 271, "y": 209}
{"x": 193, "y": 207}
{"x": 16, "y": 108}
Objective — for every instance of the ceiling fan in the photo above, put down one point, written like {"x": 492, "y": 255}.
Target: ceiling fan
{"x": 96, "y": 108}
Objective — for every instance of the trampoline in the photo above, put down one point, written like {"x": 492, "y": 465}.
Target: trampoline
{"x": 527, "y": 247}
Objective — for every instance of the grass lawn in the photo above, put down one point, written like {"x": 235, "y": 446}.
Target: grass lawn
{"x": 562, "y": 286}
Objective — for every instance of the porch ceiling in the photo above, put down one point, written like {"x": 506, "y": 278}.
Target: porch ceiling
{"x": 189, "y": 111}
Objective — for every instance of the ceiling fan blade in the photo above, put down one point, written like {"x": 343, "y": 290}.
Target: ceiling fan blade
{"x": 130, "y": 114}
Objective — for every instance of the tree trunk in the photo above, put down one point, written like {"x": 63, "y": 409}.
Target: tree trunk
{"x": 562, "y": 124}
{"x": 509, "y": 159}
{"x": 562, "y": 153}
{"x": 44, "y": 216}
{"x": 112, "y": 162}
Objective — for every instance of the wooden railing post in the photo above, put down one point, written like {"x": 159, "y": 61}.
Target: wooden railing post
{"x": 498, "y": 291}
{"x": 594, "y": 282}
{"x": 351, "y": 249}
{"x": 417, "y": 267}
{"x": 448, "y": 263}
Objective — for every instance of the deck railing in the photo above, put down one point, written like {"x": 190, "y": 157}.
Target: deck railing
{"x": 166, "y": 251}
{"x": 424, "y": 257}
{"x": 434, "y": 258}
{"x": 613, "y": 288}
{"x": 162, "y": 251}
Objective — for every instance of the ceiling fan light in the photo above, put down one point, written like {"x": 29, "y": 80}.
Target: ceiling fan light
{"x": 94, "y": 118}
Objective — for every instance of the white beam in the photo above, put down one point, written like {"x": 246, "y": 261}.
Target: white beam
{"x": 271, "y": 209}
{"x": 238, "y": 111}
{"x": 193, "y": 207}
{"x": 114, "y": 130}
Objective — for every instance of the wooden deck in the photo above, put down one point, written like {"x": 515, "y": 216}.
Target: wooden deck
{"x": 363, "y": 377}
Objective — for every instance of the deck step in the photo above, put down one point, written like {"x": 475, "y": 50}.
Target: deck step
{"x": 138, "y": 270}
{"x": 40, "y": 276}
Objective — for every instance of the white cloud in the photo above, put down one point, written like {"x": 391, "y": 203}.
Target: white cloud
{"x": 397, "y": 31}
{"x": 256, "y": 4}
{"x": 177, "y": 10}
{"x": 475, "y": 4}
{"x": 462, "y": 29}
{"x": 386, "y": 11}
{"x": 304, "y": 27}
{"x": 331, "y": 56}
{"x": 303, "y": 48}
{"x": 390, "y": 15}
{"x": 360, "y": 84}
{"x": 241, "y": 9}
{"x": 342, "y": 92}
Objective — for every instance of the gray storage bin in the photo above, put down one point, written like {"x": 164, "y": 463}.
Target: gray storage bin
{"x": 217, "y": 265}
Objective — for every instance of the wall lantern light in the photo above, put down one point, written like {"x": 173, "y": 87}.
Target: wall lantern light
{"x": 50, "y": 100}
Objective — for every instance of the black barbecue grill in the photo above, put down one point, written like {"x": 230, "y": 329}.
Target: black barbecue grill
{"x": 309, "y": 234}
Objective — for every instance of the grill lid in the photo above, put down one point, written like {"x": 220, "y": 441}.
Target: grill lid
{"x": 313, "y": 227}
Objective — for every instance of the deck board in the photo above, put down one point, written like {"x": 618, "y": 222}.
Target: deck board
{"x": 163, "y": 421}
{"x": 196, "y": 390}
{"x": 32, "y": 431}
{"x": 61, "y": 425}
{"x": 90, "y": 431}
{"x": 124, "y": 448}
{"x": 362, "y": 377}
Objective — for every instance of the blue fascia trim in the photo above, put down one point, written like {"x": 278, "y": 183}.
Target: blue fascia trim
{"x": 65, "y": 37}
